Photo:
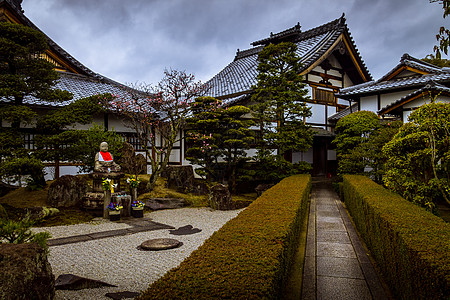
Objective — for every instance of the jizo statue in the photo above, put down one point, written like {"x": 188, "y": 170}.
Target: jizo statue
{"x": 104, "y": 161}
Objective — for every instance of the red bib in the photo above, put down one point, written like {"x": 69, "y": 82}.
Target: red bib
{"x": 106, "y": 156}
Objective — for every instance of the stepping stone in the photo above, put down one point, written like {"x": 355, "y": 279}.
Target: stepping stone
{"x": 74, "y": 282}
{"x": 160, "y": 244}
{"x": 122, "y": 295}
{"x": 185, "y": 230}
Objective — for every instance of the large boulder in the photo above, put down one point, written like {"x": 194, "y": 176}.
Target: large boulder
{"x": 67, "y": 191}
{"x": 180, "y": 178}
{"x": 220, "y": 197}
{"x": 165, "y": 203}
{"x": 130, "y": 162}
{"x": 25, "y": 272}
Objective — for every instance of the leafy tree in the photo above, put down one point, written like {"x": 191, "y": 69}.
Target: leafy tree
{"x": 56, "y": 141}
{"x": 443, "y": 37}
{"x": 352, "y": 131}
{"x": 203, "y": 136}
{"x": 219, "y": 137}
{"x": 418, "y": 167}
{"x": 159, "y": 114}
{"x": 279, "y": 102}
{"x": 23, "y": 72}
{"x": 236, "y": 137}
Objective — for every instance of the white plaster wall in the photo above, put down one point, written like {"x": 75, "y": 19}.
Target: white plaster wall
{"x": 303, "y": 156}
{"x": 369, "y": 103}
{"x": 331, "y": 154}
{"x": 318, "y": 113}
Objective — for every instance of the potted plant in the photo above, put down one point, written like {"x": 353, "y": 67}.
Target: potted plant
{"x": 114, "y": 211}
{"x": 137, "y": 209}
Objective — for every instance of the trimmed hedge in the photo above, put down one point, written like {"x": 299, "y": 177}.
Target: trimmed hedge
{"x": 249, "y": 257}
{"x": 410, "y": 245}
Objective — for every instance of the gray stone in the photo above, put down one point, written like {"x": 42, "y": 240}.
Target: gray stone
{"x": 39, "y": 213}
{"x": 67, "y": 191}
{"x": 74, "y": 282}
{"x": 165, "y": 203}
{"x": 130, "y": 162}
{"x": 25, "y": 272}
{"x": 180, "y": 178}
{"x": 160, "y": 244}
{"x": 185, "y": 230}
{"x": 220, "y": 197}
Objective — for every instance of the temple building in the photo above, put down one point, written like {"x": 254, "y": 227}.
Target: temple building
{"x": 330, "y": 62}
{"x": 407, "y": 86}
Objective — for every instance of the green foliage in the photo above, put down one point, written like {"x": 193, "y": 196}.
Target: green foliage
{"x": 443, "y": 37}
{"x": 18, "y": 232}
{"x": 219, "y": 134}
{"x": 279, "y": 97}
{"x": 430, "y": 58}
{"x": 409, "y": 244}
{"x": 418, "y": 167}
{"x": 273, "y": 168}
{"x": 56, "y": 141}
{"x": 20, "y": 166}
{"x": 249, "y": 257}
{"x": 360, "y": 137}
{"x": 87, "y": 145}
{"x": 22, "y": 70}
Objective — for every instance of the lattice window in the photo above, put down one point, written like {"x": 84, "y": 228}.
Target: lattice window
{"x": 322, "y": 95}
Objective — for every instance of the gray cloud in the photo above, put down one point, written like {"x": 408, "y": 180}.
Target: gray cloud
{"x": 133, "y": 41}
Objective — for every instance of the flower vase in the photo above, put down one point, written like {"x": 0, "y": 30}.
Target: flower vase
{"x": 114, "y": 215}
{"x": 134, "y": 194}
{"x": 137, "y": 212}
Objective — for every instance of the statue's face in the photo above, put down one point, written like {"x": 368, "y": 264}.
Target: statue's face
{"x": 104, "y": 147}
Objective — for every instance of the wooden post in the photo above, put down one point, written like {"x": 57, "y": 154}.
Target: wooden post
{"x": 106, "y": 202}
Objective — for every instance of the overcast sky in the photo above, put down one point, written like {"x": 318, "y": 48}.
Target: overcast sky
{"x": 135, "y": 40}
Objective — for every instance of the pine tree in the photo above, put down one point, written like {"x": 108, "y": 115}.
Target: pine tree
{"x": 279, "y": 102}
{"x": 23, "y": 72}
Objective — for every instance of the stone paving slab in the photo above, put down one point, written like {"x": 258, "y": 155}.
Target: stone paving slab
{"x": 137, "y": 226}
{"x": 337, "y": 265}
{"x": 338, "y": 288}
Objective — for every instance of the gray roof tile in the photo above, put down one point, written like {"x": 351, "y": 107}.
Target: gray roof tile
{"x": 240, "y": 75}
{"x": 436, "y": 74}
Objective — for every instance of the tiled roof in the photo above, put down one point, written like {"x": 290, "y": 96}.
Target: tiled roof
{"x": 240, "y": 75}
{"x": 436, "y": 74}
{"x": 430, "y": 86}
{"x": 80, "y": 86}
{"x": 343, "y": 113}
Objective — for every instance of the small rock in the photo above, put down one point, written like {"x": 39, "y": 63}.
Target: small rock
{"x": 160, "y": 244}
{"x": 185, "y": 230}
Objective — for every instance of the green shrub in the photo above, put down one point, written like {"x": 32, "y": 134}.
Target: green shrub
{"x": 18, "y": 232}
{"x": 410, "y": 245}
{"x": 249, "y": 257}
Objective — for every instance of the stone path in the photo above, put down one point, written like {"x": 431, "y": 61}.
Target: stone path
{"x": 336, "y": 263}
{"x": 136, "y": 225}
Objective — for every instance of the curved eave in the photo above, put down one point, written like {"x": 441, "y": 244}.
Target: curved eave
{"x": 411, "y": 97}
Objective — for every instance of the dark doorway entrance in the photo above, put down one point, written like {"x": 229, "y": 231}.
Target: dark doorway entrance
{"x": 320, "y": 147}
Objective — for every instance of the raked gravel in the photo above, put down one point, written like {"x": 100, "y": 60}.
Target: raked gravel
{"x": 116, "y": 260}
